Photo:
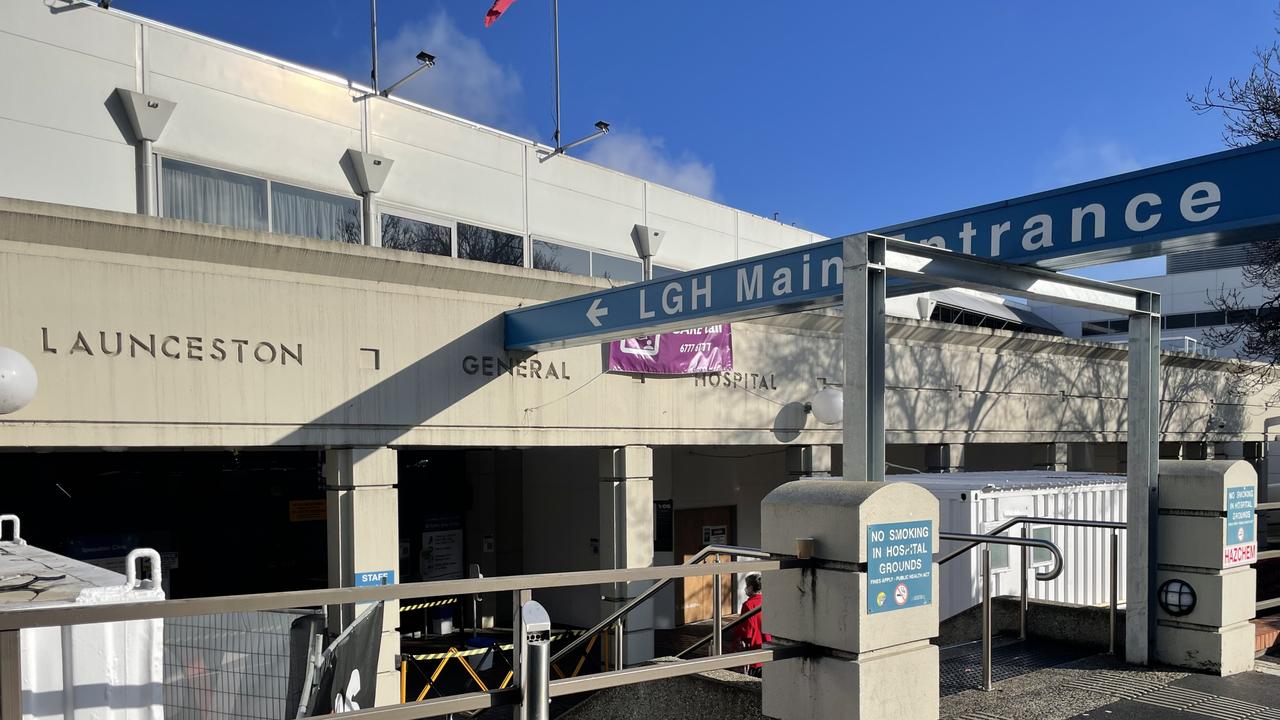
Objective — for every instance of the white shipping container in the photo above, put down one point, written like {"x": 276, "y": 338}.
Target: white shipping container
{"x": 104, "y": 671}
{"x": 978, "y": 502}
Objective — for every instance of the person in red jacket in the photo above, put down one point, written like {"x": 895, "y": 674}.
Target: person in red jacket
{"x": 750, "y": 635}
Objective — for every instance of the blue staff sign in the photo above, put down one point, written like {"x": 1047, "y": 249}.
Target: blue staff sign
{"x": 899, "y": 565}
{"x": 1241, "y": 546}
{"x": 1225, "y": 198}
{"x": 373, "y": 578}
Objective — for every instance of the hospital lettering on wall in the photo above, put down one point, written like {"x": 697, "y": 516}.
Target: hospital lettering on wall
{"x": 197, "y": 348}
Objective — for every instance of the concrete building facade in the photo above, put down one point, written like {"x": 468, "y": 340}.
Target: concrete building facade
{"x": 312, "y": 385}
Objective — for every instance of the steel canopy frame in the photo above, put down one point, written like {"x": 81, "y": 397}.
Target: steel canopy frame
{"x": 868, "y": 262}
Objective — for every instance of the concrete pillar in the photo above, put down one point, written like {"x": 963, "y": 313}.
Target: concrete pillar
{"x": 626, "y": 537}
{"x": 1206, "y": 589}
{"x": 1054, "y": 457}
{"x": 809, "y": 460}
{"x": 364, "y": 539}
{"x": 944, "y": 458}
{"x": 871, "y": 629}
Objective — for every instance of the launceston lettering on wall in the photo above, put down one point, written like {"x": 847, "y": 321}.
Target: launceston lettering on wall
{"x": 198, "y": 348}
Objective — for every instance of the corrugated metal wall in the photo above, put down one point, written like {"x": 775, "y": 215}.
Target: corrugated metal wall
{"x": 1085, "y": 579}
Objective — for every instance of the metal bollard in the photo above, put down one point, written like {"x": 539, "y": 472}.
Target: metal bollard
{"x": 1115, "y": 589}
{"x": 986, "y": 617}
{"x": 535, "y": 662}
{"x": 717, "y": 619}
{"x": 1025, "y": 554}
{"x": 619, "y": 637}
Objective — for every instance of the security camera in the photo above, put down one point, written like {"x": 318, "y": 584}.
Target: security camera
{"x": 104, "y": 4}
{"x": 602, "y": 126}
{"x": 426, "y": 58}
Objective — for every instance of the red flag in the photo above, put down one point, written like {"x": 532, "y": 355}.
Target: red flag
{"x": 499, "y": 7}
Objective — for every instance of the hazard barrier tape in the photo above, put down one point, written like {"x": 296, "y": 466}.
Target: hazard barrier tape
{"x": 483, "y": 650}
{"x": 425, "y": 605}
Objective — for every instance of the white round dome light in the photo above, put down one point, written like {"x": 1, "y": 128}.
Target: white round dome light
{"x": 827, "y": 405}
{"x": 17, "y": 381}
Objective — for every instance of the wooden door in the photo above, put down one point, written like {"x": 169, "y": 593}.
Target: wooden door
{"x": 695, "y": 529}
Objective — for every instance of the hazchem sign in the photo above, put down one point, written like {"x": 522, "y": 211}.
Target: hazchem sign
{"x": 1241, "y": 546}
{"x": 899, "y": 565}
{"x": 375, "y": 577}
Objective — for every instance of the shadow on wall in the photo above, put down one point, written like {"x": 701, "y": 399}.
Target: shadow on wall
{"x": 789, "y": 422}
{"x": 928, "y": 390}
{"x": 414, "y": 394}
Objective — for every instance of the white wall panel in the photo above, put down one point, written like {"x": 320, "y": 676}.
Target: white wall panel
{"x": 770, "y": 233}
{"x": 83, "y": 28}
{"x": 446, "y": 185}
{"x": 556, "y": 213}
{"x": 66, "y": 168}
{"x": 690, "y": 210}
{"x": 254, "y": 137}
{"x": 583, "y": 177}
{"x": 56, "y": 88}
{"x": 236, "y": 74}
{"x": 406, "y": 125}
{"x": 691, "y": 246}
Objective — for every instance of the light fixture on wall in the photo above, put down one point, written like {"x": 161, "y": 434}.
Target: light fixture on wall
{"x": 827, "y": 405}
{"x": 425, "y": 60}
{"x": 1177, "y": 597}
{"x": 17, "y": 381}
{"x": 602, "y": 129}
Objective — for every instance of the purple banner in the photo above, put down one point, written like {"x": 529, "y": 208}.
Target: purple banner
{"x": 685, "y": 352}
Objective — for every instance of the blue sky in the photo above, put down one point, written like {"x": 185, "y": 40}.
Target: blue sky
{"x": 839, "y": 117}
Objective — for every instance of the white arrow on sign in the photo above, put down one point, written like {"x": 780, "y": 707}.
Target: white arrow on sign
{"x": 595, "y": 312}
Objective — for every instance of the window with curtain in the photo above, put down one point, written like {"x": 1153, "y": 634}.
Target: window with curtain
{"x": 561, "y": 258}
{"x": 299, "y": 211}
{"x": 403, "y": 233}
{"x": 194, "y": 192}
{"x": 495, "y": 246}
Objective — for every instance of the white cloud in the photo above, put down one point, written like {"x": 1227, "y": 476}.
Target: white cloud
{"x": 1079, "y": 159}
{"x": 644, "y": 156}
{"x": 466, "y": 80}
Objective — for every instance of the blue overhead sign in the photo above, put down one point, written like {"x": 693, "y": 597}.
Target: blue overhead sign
{"x": 805, "y": 277}
{"x": 1219, "y": 199}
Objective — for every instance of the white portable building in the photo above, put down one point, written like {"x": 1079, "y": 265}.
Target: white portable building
{"x": 103, "y": 671}
{"x": 978, "y": 502}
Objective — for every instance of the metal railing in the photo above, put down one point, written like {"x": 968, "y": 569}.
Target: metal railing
{"x": 741, "y": 619}
{"x": 1024, "y": 520}
{"x": 614, "y": 619}
{"x": 986, "y": 541}
{"x": 1262, "y": 509}
{"x": 12, "y": 622}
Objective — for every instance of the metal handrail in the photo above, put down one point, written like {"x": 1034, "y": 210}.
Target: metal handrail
{"x": 1111, "y": 525}
{"x": 1068, "y": 522}
{"x": 653, "y": 590}
{"x": 1262, "y": 509}
{"x": 985, "y": 541}
{"x": 18, "y": 619}
{"x": 741, "y": 619}
{"x": 14, "y": 620}
{"x": 1051, "y": 574}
